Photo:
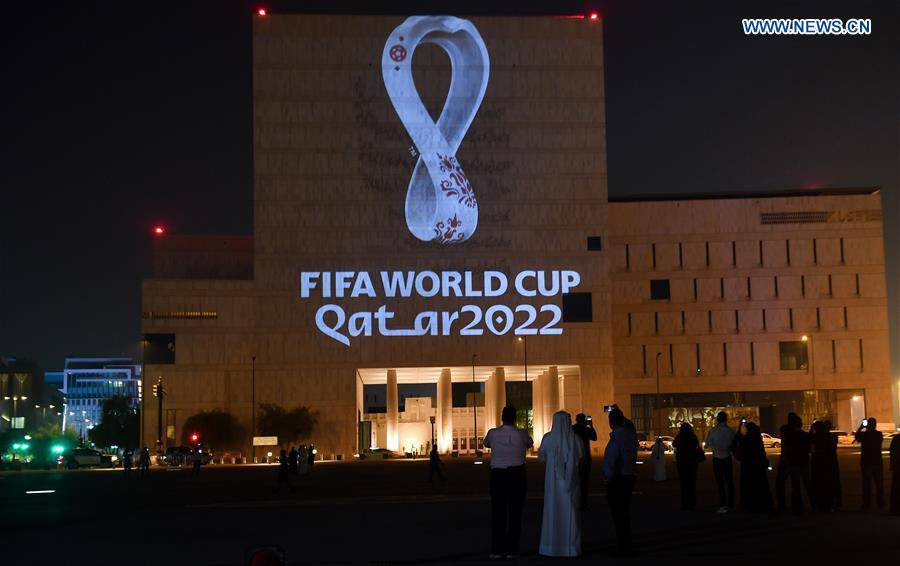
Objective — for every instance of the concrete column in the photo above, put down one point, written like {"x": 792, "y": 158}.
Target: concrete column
{"x": 393, "y": 411}
{"x": 537, "y": 401}
{"x": 551, "y": 397}
{"x": 444, "y": 410}
{"x": 499, "y": 395}
{"x": 489, "y": 403}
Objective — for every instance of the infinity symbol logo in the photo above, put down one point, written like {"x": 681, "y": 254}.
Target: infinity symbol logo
{"x": 440, "y": 201}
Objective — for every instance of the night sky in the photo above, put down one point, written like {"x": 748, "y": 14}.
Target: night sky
{"x": 117, "y": 118}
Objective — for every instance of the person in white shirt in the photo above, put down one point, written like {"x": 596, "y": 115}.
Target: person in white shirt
{"x": 721, "y": 439}
{"x": 508, "y": 445}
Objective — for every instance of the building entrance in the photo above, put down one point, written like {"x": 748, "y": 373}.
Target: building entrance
{"x": 407, "y": 410}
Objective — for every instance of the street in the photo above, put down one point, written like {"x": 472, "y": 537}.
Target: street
{"x": 387, "y": 512}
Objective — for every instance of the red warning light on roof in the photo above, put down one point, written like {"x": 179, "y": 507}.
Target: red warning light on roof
{"x": 159, "y": 230}
{"x": 262, "y": 12}
{"x": 594, "y": 16}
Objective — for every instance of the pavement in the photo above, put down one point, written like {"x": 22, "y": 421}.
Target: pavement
{"x": 386, "y": 512}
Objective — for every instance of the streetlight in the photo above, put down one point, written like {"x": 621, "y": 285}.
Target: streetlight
{"x": 812, "y": 370}
{"x": 658, "y": 422}
{"x": 431, "y": 418}
{"x": 253, "y": 406}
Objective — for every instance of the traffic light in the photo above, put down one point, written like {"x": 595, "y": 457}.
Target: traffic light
{"x": 195, "y": 438}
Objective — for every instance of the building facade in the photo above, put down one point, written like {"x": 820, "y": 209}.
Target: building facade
{"x": 376, "y": 261}
{"x": 89, "y": 381}
{"x": 765, "y": 305}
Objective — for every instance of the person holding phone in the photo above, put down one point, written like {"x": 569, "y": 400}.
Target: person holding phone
{"x": 584, "y": 430}
{"x": 870, "y": 439}
{"x": 721, "y": 439}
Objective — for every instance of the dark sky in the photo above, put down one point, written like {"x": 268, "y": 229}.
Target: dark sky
{"x": 118, "y": 115}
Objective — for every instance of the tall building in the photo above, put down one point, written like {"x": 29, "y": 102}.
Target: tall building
{"x": 20, "y": 381}
{"x": 413, "y": 222}
{"x": 89, "y": 381}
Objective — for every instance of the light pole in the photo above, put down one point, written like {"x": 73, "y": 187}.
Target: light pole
{"x": 475, "y": 405}
{"x": 143, "y": 388}
{"x": 812, "y": 370}
{"x": 658, "y": 422}
{"x": 431, "y": 418}
{"x": 252, "y": 407}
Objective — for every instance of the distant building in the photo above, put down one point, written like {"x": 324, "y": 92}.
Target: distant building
{"x": 19, "y": 379}
{"x": 88, "y": 381}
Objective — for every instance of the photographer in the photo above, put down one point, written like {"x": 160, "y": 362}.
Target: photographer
{"x": 584, "y": 429}
{"x": 870, "y": 438}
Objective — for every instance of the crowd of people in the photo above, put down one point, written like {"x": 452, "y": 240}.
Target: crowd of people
{"x": 808, "y": 466}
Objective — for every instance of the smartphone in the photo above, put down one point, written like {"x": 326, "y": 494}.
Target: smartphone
{"x": 590, "y": 418}
{"x": 608, "y": 408}
{"x": 743, "y": 420}
{"x": 865, "y": 422}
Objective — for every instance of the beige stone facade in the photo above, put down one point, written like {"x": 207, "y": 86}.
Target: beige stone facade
{"x": 744, "y": 277}
{"x": 332, "y": 164}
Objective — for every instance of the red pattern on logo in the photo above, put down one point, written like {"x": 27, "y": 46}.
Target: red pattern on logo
{"x": 398, "y": 53}
{"x": 456, "y": 184}
{"x": 449, "y": 231}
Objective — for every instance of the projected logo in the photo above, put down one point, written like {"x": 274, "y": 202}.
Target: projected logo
{"x": 440, "y": 200}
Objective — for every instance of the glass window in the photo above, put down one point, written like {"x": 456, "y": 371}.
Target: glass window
{"x": 793, "y": 355}
{"x": 660, "y": 289}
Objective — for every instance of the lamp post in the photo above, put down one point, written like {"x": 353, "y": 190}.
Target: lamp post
{"x": 658, "y": 423}
{"x": 143, "y": 389}
{"x": 431, "y": 418}
{"x": 252, "y": 407}
{"x": 812, "y": 370}
{"x": 475, "y": 405}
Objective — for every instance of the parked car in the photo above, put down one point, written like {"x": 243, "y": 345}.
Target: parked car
{"x": 844, "y": 438}
{"x": 647, "y": 445}
{"x": 84, "y": 458}
{"x": 770, "y": 441}
{"x": 180, "y": 455}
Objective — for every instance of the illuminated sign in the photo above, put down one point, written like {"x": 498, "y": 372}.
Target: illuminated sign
{"x": 440, "y": 200}
{"x": 469, "y": 320}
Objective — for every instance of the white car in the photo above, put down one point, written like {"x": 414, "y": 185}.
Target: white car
{"x": 84, "y": 458}
{"x": 647, "y": 445}
{"x": 770, "y": 441}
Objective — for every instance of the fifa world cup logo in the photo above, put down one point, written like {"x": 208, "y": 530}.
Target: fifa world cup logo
{"x": 440, "y": 200}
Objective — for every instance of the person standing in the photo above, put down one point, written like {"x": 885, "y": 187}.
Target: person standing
{"x": 508, "y": 445}
{"x": 658, "y": 457}
{"x": 784, "y": 469}
{"x": 435, "y": 465}
{"x": 720, "y": 439}
{"x": 196, "y": 460}
{"x": 688, "y": 454}
{"x": 895, "y": 474}
{"x": 283, "y": 472}
{"x": 293, "y": 457}
{"x": 127, "y": 461}
{"x": 303, "y": 460}
{"x": 755, "y": 494}
{"x": 822, "y": 473}
{"x": 870, "y": 439}
{"x": 837, "y": 493}
{"x": 562, "y": 450}
{"x": 584, "y": 429}
{"x": 798, "y": 441}
{"x": 619, "y": 470}
{"x": 144, "y": 462}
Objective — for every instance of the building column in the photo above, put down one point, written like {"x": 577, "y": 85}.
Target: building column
{"x": 551, "y": 397}
{"x": 393, "y": 414}
{"x": 537, "y": 402}
{"x": 444, "y": 410}
{"x": 489, "y": 403}
{"x": 499, "y": 395}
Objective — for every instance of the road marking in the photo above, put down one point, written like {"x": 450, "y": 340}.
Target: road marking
{"x": 40, "y": 491}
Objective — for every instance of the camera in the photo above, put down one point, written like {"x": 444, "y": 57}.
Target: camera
{"x": 865, "y": 422}
{"x": 608, "y": 408}
{"x": 743, "y": 420}
{"x": 590, "y": 418}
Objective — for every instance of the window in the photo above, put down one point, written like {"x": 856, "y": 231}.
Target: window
{"x": 760, "y": 252}
{"x": 725, "y": 356}
{"x": 846, "y": 326}
{"x": 577, "y": 307}
{"x": 644, "y": 358}
{"x": 671, "y": 360}
{"x": 653, "y": 253}
{"x": 594, "y": 243}
{"x": 842, "y": 251}
{"x": 660, "y": 290}
{"x": 833, "y": 355}
{"x": 680, "y": 255}
{"x": 803, "y": 285}
{"x": 793, "y": 355}
{"x": 656, "y": 322}
{"x": 776, "y": 286}
{"x": 707, "y": 254}
{"x": 787, "y": 248}
{"x": 752, "y": 359}
{"x": 695, "y": 289}
{"x": 733, "y": 253}
{"x": 627, "y": 258}
{"x": 815, "y": 253}
{"x": 857, "y": 287}
{"x": 629, "y": 324}
{"x": 683, "y": 323}
{"x": 861, "y": 365}
{"x": 831, "y": 287}
{"x": 697, "y": 350}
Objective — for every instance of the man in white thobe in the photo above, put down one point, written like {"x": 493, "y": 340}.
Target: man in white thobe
{"x": 562, "y": 451}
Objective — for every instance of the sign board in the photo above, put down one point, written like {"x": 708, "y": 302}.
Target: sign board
{"x": 265, "y": 441}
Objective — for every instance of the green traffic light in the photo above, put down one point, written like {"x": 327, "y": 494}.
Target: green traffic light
{"x": 16, "y": 446}
{"x": 58, "y": 449}
{"x": 24, "y": 447}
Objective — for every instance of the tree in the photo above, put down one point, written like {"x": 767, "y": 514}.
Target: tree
{"x": 217, "y": 429}
{"x": 44, "y": 439}
{"x": 289, "y": 426}
{"x": 119, "y": 424}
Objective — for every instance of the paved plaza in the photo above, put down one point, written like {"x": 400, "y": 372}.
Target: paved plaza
{"x": 386, "y": 512}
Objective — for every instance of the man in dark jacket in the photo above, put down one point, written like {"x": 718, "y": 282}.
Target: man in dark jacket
{"x": 584, "y": 429}
{"x": 870, "y": 439}
{"x": 799, "y": 445}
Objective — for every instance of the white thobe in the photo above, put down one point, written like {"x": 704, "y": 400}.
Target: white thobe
{"x": 561, "y": 526}
{"x": 658, "y": 457}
